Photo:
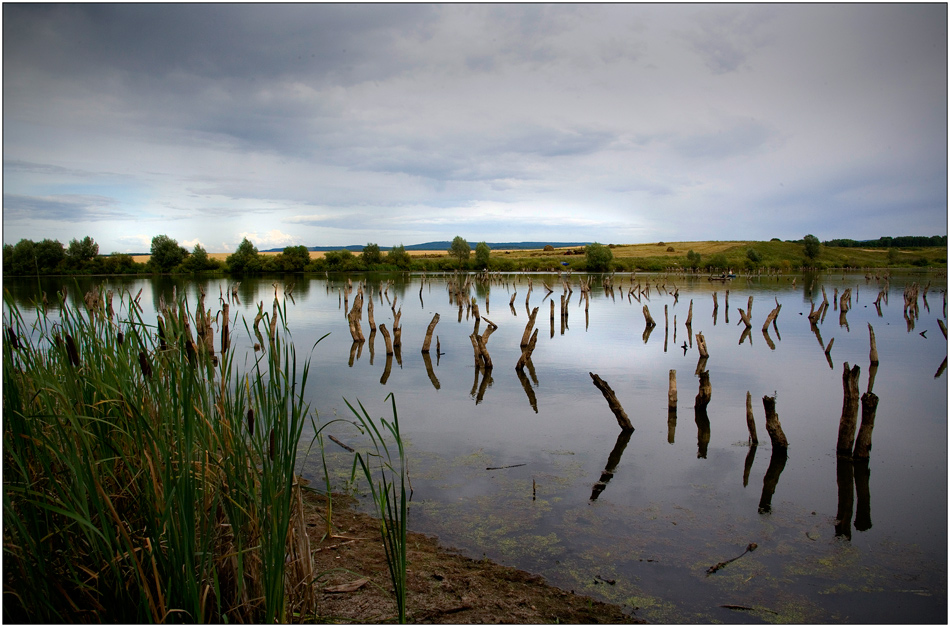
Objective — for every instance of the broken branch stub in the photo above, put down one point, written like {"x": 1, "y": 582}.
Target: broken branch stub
{"x": 772, "y": 424}
{"x": 849, "y": 410}
{"x": 429, "y": 331}
{"x": 612, "y": 402}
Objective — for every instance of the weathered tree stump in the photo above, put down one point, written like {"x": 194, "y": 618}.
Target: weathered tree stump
{"x": 527, "y": 329}
{"x": 874, "y": 358}
{"x": 689, "y": 316}
{"x": 772, "y": 424}
{"x": 526, "y": 352}
{"x": 429, "y": 331}
{"x": 750, "y": 419}
{"x": 773, "y": 315}
{"x": 478, "y": 353}
{"x": 387, "y": 339}
{"x": 671, "y": 395}
{"x": 701, "y": 346}
{"x": 746, "y": 318}
{"x": 648, "y": 317}
{"x": 486, "y": 358}
{"x": 862, "y": 446}
{"x": 612, "y": 402}
{"x": 849, "y": 410}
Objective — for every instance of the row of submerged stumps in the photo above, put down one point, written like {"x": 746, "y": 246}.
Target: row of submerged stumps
{"x": 853, "y": 444}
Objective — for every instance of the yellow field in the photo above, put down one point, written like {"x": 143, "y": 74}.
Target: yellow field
{"x": 314, "y": 254}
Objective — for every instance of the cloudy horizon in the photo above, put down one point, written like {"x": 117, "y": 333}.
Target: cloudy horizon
{"x": 342, "y": 124}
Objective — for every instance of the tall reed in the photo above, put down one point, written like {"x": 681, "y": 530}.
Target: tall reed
{"x": 392, "y": 506}
{"x": 144, "y": 483}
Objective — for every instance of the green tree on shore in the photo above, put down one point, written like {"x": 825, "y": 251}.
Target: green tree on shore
{"x": 399, "y": 257}
{"x": 460, "y": 249}
{"x": 811, "y": 246}
{"x": 245, "y": 260}
{"x": 371, "y": 255}
{"x": 166, "y": 253}
{"x": 482, "y": 254}
{"x": 598, "y": 257}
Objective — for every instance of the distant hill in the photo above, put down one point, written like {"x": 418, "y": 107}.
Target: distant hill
{"x": 444, "y": 245}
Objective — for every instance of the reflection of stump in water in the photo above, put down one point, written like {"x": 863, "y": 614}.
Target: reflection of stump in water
{"x": 750, "y": 420}
{"x": 388, "y": 368}
{"x": 486, "y": 383}
{"x": 768, "y": 339}
{"x": 646, "y": 334}
{"x": 702, "y": 432}
{"x": 862, "y": 479}
{"x": 845, "y": 478}
{"x": 772, "y": 474}
{"x": 702, "y": 418}
{"x": 671, "y": 425}
{"x": 749, "y": 458}
{"x": 828, "y": 353}
{"x": 372, "y": 345}
{"x": 528, "y": 390}
{"x": 849, "y": 410}
{"x": 746, "y": 334}
{"x": 429, "y": 371}
{"x": 613, "y": 460}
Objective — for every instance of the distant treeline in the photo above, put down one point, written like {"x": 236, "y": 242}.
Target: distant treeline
{"x": 81, "y": 256}
{"x": 903, "y": 241}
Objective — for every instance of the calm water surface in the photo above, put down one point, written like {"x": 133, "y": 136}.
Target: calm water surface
{"x": 513, "y": 468}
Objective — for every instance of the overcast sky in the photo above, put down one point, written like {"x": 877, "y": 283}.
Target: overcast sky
{"x": 347, "y": 124}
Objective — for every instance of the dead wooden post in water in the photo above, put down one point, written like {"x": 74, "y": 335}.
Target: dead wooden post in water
{"x": 689, "y": 316}
{"x": 672, "y": 393}
{"x": 387, "y": 339}
{"x": 701, "y": 345}
{"x": 772, "y": 424}
{"x": 746, "y": 318}
{"x": 750, "y": 419}
{"x": 849, "y": 410}
{"x": 648, "y": 317}
{"x": 528, "y": 327}
{"x": 429, "y": 331}
{"x": 773, "y": 315}
{"x": 874, "y": 359}
{"x": 862, "y": 446}
{"x": 612, "y": 402}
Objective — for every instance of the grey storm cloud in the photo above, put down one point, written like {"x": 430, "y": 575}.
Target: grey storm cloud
{"x": 430, "y": 119}
{"x": 64, "y": 208}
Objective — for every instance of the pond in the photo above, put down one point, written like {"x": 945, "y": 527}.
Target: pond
{"x": 532, "y": 470}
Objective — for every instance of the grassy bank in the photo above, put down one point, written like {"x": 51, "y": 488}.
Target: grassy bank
{"x": 143, "y": 483}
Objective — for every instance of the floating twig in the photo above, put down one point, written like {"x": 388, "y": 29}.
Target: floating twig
{"x": 752, "y": 546}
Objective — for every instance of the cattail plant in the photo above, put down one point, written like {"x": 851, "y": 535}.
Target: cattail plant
{"x": 142, "y": 482}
